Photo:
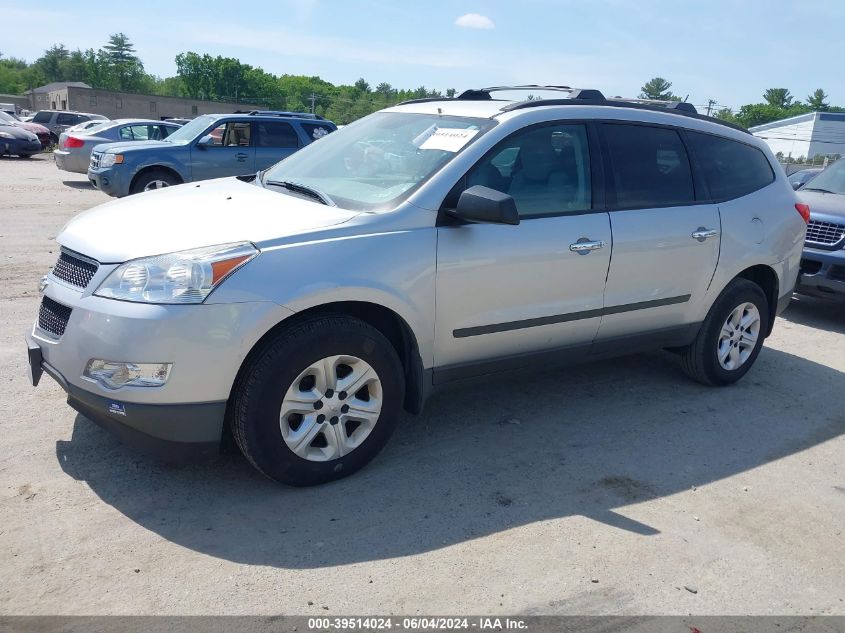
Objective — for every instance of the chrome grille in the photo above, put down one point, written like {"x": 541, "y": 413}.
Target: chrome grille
{"x": 74, "y": 270}
{"x": 95, "y": 159}
{"x": 824, "y": 232}
{"x": 53, "y": 317}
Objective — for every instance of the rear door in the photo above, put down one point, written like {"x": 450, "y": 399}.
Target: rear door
{"x": 665, "y": 232}
{"x": 274, "y": 140}
{"x": 231, "y": 153}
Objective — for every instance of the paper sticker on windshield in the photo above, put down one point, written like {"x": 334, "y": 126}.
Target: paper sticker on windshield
{"x": 448, "y": 139}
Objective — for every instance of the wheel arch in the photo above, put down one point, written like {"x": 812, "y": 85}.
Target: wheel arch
{"x": 394, "y": 328}
{"x": 149, "y": 168}
{"x": 765, "y": 277}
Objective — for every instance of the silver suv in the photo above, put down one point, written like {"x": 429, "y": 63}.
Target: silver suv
{"x": 305, "y": 307}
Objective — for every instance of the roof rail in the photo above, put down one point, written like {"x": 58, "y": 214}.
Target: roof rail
{"x": 578, "y": 96}
{"x": 278, "y": 113}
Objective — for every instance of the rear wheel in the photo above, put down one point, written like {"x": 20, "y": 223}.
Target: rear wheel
{"x": 731, "y": 336}
{"x": 155, "y": 179}
{"x": 318, "y": 401}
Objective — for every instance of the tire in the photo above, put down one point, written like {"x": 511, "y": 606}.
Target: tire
{"x": 24, "y": 155}
{"x": 154, "y": 179}
{"x": 701, "y": 359}
{"x": 264, "y": 422}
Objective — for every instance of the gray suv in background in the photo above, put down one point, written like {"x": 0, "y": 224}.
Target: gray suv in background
{"x": 57, "y": 121}
{"x": 307, "y": 306}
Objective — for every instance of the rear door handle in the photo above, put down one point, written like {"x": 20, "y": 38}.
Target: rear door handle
{"x": 584, "y": 246}
{"x": 702, "y": 233}
{"x": 241, "y": 157}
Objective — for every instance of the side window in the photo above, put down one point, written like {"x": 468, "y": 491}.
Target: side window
{"x": 126, "y": 133}
{"x": 68, "y": 119}
{"x": 42, "y": 117}
{"x": 545, "y": 169}
{"x": 650, "y": 166}
{"x": 276, "y": 134}
{"x": 231, "y": 134}
{"x": 732, "y": 169}
{"x": 165, "y": 130}
{"x": 316, "y": 131}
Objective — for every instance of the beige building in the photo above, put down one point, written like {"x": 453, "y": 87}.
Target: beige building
{"x": 123, "y": 105}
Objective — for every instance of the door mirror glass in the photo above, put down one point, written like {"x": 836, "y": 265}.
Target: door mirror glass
{"x": 206, "y": 141}
{"x": 483, "y": 204}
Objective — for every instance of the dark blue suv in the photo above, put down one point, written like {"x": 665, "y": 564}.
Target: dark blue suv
{"x": 210, "y": 146}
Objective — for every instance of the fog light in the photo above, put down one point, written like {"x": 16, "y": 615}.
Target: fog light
{"x": 116, "y": 375}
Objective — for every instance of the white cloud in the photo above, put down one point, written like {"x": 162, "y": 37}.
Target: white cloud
{"x": 475, "y": 21}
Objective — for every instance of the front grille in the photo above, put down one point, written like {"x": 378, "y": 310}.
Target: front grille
{"x": 74, "y": 270}
{"x": 53, "y": 317}
{"x": 824, "y": 232}
{"x": 95, "y": 159}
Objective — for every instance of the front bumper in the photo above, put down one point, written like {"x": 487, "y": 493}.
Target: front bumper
{"x": 822, "y": 274}
{"x": 19, "y": 146}
{"x": 172, "y": 432}
{"x": 69, "y": 161}
{"x": 110, "y": 180}
{"x": 206, "y": 344}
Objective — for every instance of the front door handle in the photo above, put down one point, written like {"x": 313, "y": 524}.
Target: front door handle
{"x": 702, "y": 233}
{"x": 241, "y": 157}
{"x": 584, "y": 246}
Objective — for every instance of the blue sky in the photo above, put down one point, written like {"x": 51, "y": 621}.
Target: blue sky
{"x": 727, "y": 50}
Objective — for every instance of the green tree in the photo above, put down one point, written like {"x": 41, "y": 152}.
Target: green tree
{"x": 362, "y": 85}
{"x": 51, "y": 63}
{"x": 658, "y": 89}
{"x": 778, "y": 97}
{"x": 125, "y": 67}
{"x": 818, "y": 101}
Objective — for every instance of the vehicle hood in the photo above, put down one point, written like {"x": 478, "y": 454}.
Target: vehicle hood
{"x": 194, "y": 215}
{"x": 830, "y": 206}
{"x": 122, "y": 147}
{"x": 18, "y": 132}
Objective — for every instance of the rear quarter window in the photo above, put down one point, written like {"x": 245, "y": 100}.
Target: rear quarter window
{"x": 732, "y": 169}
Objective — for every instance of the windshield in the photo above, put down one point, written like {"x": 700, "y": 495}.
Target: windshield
{"x": 6, "y": 117}
{"x": 376, "y": 162}
{"x": 831, "y": 179}
{"x": 189, "y": 131}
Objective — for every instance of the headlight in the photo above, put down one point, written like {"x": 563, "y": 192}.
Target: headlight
{"x": 6, "y": 135}
{"x": 185, "y": 277}
{"x": 117, "y": 375}
{"x": 107, "y": 160}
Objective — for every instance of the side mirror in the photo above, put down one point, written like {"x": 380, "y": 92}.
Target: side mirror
{"x": 482, "y": 204}
{"x": 796, "y": 185}
{"x": 205, "y": 141}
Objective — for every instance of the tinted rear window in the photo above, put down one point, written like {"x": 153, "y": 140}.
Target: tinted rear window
{"x": 650, "y": 167}
{"x": 315, "y": 131}
{"x": 276, "y": 134}
{"x": 732, "y": 169}
{"x": 42, "y": 117}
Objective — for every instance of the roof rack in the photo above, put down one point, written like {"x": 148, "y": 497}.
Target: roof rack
{"x": 578, "y": 96}
{"x": 278, "y": 113}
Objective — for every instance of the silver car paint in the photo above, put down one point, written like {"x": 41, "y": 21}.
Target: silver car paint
{"x": 312, "y": 255}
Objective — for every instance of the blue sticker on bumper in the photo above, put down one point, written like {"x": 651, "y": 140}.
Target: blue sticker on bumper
{"x": 117, "y": 408}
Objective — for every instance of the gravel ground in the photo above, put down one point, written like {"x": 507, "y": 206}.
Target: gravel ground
{"x": 613, "y": 488}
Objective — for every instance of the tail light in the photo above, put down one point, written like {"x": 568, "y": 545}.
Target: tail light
{"x": 803, "y": 211}
{"x": 72, "y": 141}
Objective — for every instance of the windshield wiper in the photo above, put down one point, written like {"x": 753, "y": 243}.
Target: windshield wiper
{"x": 817, "y": 189}
{"x": 302, "y": 189}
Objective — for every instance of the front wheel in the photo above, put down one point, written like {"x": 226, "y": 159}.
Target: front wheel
{"x": 318, "y": 401}
{"x": 731, "y": 336}
{"x": 152, "y": 180}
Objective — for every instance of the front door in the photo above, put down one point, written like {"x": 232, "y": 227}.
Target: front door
{"x": 504, "y": 292}
{"x": 231, "y": 152}
{"x": 665, "y": 237}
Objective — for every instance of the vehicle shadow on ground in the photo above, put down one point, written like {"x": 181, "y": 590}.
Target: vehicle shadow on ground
{"x": 34, "y": 157}
{"x": 587, "y": 441}
{"x": 816, "y": 313}
{"x": 79, "y": 184}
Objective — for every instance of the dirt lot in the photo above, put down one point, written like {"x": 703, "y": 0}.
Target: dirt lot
{"x": 619, "y": 487}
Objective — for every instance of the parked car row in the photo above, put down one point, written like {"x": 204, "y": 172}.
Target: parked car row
{"x": 43, "y": 134}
